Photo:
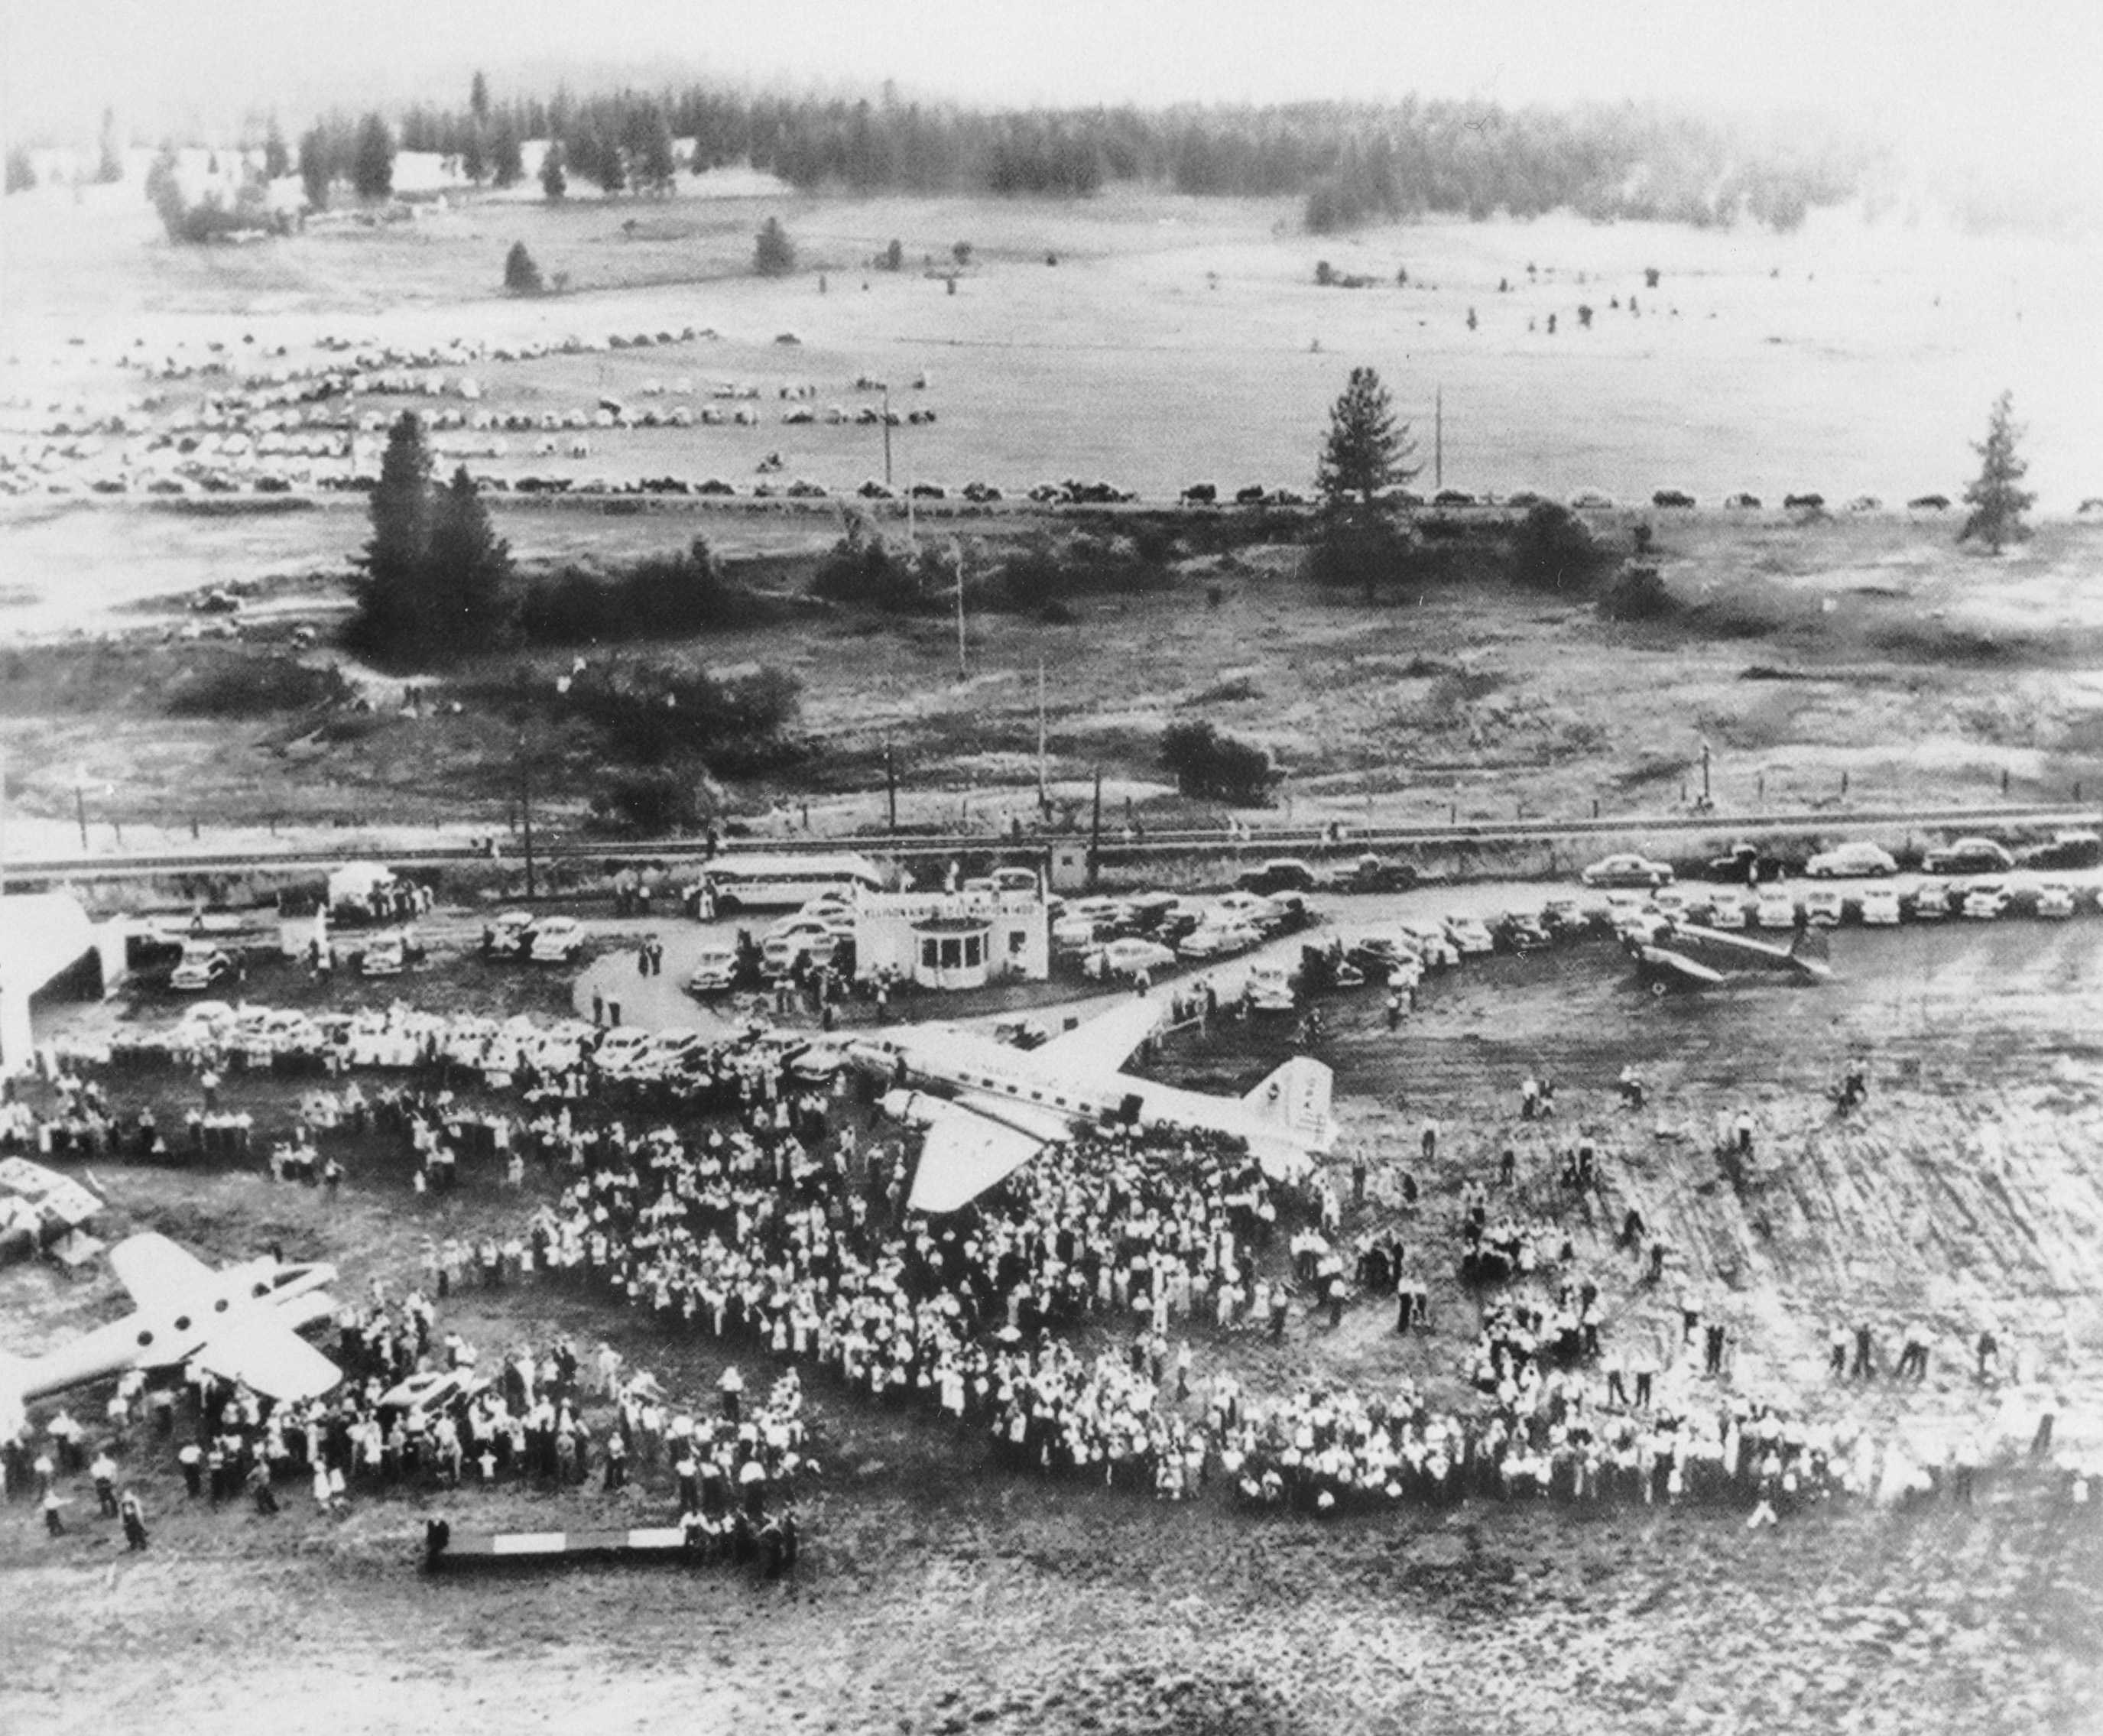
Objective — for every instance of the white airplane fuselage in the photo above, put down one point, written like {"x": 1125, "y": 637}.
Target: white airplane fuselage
{"x": 994, "y": 1074}
{"x": 166, "y": 1336}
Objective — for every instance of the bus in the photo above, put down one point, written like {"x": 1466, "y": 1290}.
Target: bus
{"x": 740, "y": 882}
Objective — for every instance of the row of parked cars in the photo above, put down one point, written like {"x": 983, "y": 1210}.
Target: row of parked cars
{"x": 1746, "y": 864}
{"x": 1152, "y": 932}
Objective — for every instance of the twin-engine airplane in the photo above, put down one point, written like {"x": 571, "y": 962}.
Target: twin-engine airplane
{"x": 1001, "y": 1106}
{"x": 241, "y": 1323}
{"x": 1684, "y": 955}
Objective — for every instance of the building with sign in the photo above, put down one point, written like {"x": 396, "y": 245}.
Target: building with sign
{"x": 962, "y": 939}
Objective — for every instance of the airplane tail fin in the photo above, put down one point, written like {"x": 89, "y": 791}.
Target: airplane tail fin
{"x": 1297, "y": 1097}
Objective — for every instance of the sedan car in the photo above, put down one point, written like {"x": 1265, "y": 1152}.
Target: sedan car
{"x": 1434, "y": 950}
{"x": 1386, "y": 958}
{"x": 1929, "y": 900}
{"x": 1880, "y": 907}
{"x": 1727, "y": 911}
{"x": 2067, "y": 850}
{"x": 1470, "y": 935}
{"x": 201, "y": 966}
{"x": 1824, "y": 907}
{"x": 1774, "y": 910}
{"x": 1851, "y": 861}
{"x": 2055, "y": 901}
{"x": 1969, "y": 856}
{"x": 1627, "y": 870}
{"x": 1986, "y": 900}
{"x": 1128, "y": 957}
{"x": 1518, "y": 931}
{"x": 715, "y": 971}
{"x": 557, "y": 941}
{"x": 1216, "y": 940}
{"x": 1280, "y": 874}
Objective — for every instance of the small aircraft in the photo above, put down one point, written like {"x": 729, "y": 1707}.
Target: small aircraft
{"x": 241, "y": 1323}
{"x": 1003, "y": 1105}
{"x": 1686, "y": 956}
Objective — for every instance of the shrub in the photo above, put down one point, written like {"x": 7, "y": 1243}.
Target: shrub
{"x": 1209, "y": 765}
{"x": 773, "y": 254}
{"x": 1638, "y": 593}
{"x": 1368, "y": 549}
{"x": 1551, "y": 550}
{"x": 659, "y": 596}
{"x": 522, "y": 276}
{"x": 256, "y": 687}
{"x": 865, "y": 572}
{"x": 666, "y": 712}
{"x": 654, "y": 802}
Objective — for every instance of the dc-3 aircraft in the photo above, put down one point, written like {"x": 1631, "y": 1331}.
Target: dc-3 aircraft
{"x": 1001, "y": 1106}
{"x": 241, "y": 1323}
{"x": 1686, "y": 956}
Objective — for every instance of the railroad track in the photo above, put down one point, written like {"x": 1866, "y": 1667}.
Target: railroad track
{"x": 1283, "y": 840}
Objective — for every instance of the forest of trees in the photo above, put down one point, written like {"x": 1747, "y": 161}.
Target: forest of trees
{"x": 1351, "y": 163}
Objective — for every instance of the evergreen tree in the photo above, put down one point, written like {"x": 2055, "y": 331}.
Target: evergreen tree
{"x": 391, "y": 619}
{"x": 477, "y": 98}
{"x": 522, "y": 276}
{"x": 466, "y": 573}
{"x": 276, "y": 160}
{"x": 773, "y": 254}
{"x": 610, "y": 169}
{"x": 554, "y": 180}
{"x": 316, "y": 168}
{"x": 507, "y": 162}
{"x": 372, "y": 161}
{"x": 1997, "y": 500}
{"x": 111, "y": 167}
{"x": 1366, "y": 450}
{"x": 164, "y": 192}
{"x": 657, "y": 163}
{"x": 474, "y": 158}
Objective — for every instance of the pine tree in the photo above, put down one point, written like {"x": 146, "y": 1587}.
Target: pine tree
{"x": 773, "y": 254}
{"x": 521, "y": 276}
{"x": 466, "y": 573}
{"x": 1997, "y": 500}
{"x": 276, "y": 160}
{"x": 554, "y": 179}
{"x": 1366, "y": 450}
{"x": 316, "y": 168}
{"x": 390, "y": 619}
{"x": 475, "y": 158}
{"x": 372, "y": 162}
{"x": 507, "y": 162}
{"x": 657, "y": 163}
{"x": 477, "y": 98}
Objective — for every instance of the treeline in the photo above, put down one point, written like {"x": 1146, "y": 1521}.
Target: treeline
{"x": 1351, "y": 162}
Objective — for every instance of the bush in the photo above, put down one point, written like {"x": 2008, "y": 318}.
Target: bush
{"x": 773, "y": 254}
{"x": 1551, "y": 550}
{"x": 657, "y": 597}
{"x": 662, "y": 711}
{"x": 1209, "y": 765}
{"x": 522, "y": 276}
{"x": 1638, "y": 593}
{"x": 656, "y": 802}
{"x": 865, "y": 572}
{"x": 1366, "y": 549}
{"x": 256, "y": 687}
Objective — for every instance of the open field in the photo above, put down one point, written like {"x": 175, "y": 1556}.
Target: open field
{"x": 943, "y": 1594}
{"x": 1174, "y": 341}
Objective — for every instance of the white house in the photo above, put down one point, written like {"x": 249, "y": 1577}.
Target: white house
{"x": 954, "y": 939}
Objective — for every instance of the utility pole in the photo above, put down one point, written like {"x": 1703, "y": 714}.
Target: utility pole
{"x": 890, "y": 785}
{"x": 526, "y": 811}
{"x": 1043, "y": 777}
{"x": 1705, "y": 773}
{"x": 1438, "y": 438}
{"x": 80, "y": 810}
{"x": 886, "y": 437}
{"x": 956, "y": 554}
{"x": 1096, "y": 831}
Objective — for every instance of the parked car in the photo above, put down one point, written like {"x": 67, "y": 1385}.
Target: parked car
{"x": 202, "y": 965}
{"x": 1244, "y": 906}
{"x": 1680, "y": 905}
{"x": 1127, "y": 955}
{"x": 385, "y": 955}
{"x": 620, "y": 1051}
{"x": 1563, "y": 916}
{"x": 1627, "y": 870}
{"x": 2066, "y": 850}
{"x": 1217, "y": 939}
{"x": 1774, "y": 910}
{"x": 2055, "y": 901}
{"x": 1280, "y": 874}
{"x": 1371, "y": 873}
{"x": 1880, "y": 907}
{"x": 557, "y": 940}
{"x": 1850, "y": 862}
{"x": 1081, "y": 934}
{"x": 1824, "y": 907}
{"x": 1744, "y": 865}
{"x": 1726, "y": 910}
{"x": 1518, "y": 931}
{"x": 1986, "y": 900}
{"x": 1385, "y": 958}
{"x": 1434, "y": 949}
{"x": 813, "y": 938}
{"x": 1929, "y": 900}
{"x": 715, "y": 971}
{"x": 509, "y": 935}
{"x": 1470, "y": 935}
{"x": 1969, "y": 856}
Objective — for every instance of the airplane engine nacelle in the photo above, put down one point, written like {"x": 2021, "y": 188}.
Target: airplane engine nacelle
{"x": 915, "y": 1107}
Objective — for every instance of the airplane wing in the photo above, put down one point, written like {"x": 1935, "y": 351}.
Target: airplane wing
{"x": 1041, "y": 1123}
{"x": 1678, "y": 964}
{"x": 158, "y": 1274}
{"x": 963, "y": 1154}
{"x": 1106, "y": 1041}
{"x": 269, "y": 1356}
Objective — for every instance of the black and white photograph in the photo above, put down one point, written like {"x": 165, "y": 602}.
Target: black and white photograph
{"x": 989, "y": 869}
